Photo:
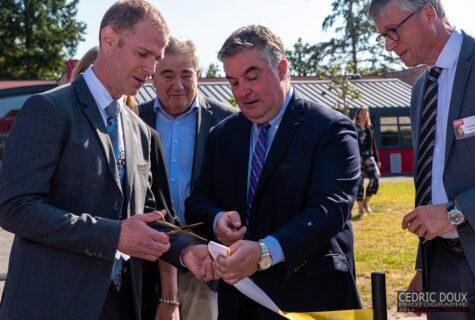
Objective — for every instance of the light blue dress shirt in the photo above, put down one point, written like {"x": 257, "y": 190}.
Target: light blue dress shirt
{"x": 178, "y": 141}
{"x": 271, "y": 242}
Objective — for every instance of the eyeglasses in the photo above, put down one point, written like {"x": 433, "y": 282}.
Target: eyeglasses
{"x": 392, "y": 32}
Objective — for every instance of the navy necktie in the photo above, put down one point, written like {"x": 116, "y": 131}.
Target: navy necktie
{"x": 257, "y": 162}
{"x": 425, "y": 151}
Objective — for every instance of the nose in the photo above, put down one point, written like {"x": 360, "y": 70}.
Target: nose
{"x": 390, "y": 44}
{"x": 241, "y": 91}
{"x": 177, "y": 83}
{"x": 149, "y": 67}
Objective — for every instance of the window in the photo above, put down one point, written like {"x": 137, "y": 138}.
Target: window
{"x": 396, "y": 131}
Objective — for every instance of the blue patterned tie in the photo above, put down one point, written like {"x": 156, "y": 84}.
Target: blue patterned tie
{"x": 113, "y": 112}
{"x": 257, "y": 162}
{"x": 425, "y": 153}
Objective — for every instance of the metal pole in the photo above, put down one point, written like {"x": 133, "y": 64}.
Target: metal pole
{"x": 378, "y": 292}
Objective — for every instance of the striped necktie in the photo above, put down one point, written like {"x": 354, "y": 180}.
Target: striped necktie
{"x": 257, "y": 162}
{"x": 427, "y": 139}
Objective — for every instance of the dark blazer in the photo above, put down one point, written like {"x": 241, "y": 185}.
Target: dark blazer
{"x": 60, "y": 194}
{"x": 304, "y": 199}
{"x": 459, "y": 177}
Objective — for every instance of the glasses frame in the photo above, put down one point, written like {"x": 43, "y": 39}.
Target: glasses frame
{"x": 392, "y": 33}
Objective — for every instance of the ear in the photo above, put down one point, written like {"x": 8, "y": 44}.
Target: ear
{"x": 428, "y": 13}
{"x": 108, "y": 37}
{"x": 283, "y": 69}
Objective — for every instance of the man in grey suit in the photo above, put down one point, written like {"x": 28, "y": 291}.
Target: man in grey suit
{"x": 184, "y": 119}
{"x": 74, "y": 193}
{"x": 442, "y": 99}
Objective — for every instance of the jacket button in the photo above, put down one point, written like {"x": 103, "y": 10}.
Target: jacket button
{"x": 116, "y": 206}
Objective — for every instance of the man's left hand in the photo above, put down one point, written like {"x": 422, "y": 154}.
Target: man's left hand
{"x": 197, "y": 259}
{"x": 242, "y": 262}
{"x": 428, "y": 222}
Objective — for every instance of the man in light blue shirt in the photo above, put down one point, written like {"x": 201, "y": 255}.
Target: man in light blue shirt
{"x": 184, "y": 120}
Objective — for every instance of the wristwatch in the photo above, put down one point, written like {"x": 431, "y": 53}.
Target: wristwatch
{"x": 454, "y": 214}
{"x": 266, "y": 259}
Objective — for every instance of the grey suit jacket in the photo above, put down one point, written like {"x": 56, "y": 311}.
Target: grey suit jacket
{"x": 61, "y": 196}
{"x": 459, "y": 173}
{"x": 210, "y": 113}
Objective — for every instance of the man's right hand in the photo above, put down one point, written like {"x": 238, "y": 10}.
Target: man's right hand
{"x": 416, "y": 285}
{"x": 137, "y": 239}
{"x": 229, "y": 229}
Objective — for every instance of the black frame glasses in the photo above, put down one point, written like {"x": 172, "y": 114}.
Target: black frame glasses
{"x": 392, "y": 33}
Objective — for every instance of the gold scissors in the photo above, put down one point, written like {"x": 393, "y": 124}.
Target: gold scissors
{"x": 183, "y": 229}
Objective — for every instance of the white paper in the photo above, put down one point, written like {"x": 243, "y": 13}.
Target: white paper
{"x": 246, "y": 286}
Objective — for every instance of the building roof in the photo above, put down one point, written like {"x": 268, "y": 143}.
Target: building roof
{"x": 6, "y": 84}
{"x": 376, "y": 93}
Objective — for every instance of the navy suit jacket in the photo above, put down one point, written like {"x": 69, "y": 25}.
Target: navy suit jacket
{"x": 304, "y": 199}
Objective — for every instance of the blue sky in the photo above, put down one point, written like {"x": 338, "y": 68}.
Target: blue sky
{"x": 209, "y": 22}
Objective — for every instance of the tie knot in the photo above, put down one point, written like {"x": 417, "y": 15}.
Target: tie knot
{"x": 263, "y": 127}
{"x": 113, "y": 109}
{"x": 434, "y": 73}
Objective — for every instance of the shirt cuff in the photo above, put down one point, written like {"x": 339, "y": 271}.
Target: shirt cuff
{"x": 215, "y": 222}
{"x": 275, "y": 249}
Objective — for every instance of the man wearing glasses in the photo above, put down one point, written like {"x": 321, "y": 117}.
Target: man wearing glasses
{"x": 419, "y": 33}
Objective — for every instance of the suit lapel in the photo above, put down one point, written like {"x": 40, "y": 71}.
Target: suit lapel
{"x": 147, "y": 113}
{"x": 417, "y": 113}
{"x": 291, "y": 121}
{"x": 130, "y": 144}
{"x": 239, "y": 157}
{"x": 464, "y": 66}
{"x": 93, "y": 114}
{"x": 203, "y": 123}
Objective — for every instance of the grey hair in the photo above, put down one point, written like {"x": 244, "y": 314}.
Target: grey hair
{"x": 376, "y": 7}
{"x": 188, "y": 48}
{"x": 254, "y": 36}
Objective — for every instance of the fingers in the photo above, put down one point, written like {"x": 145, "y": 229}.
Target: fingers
{"x": 139, "y": 240}
{"x": 408, "y": 218}
{"x": 234, "y": 219}
{"x": 229, "y": 228}
{"x": 152, "y": 216}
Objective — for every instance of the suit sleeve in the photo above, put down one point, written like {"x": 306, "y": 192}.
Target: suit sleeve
{"x": 330, "y": 195}
{"x": 200, "y": 206}
{"x": 33, "y": 149}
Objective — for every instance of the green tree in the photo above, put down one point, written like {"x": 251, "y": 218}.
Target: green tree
{"x": 213, "y": 71}
{"x": 355, "y": 38}
{"x": 37, "y": 37}
{"x": 304, "y": 59}
{"x": 343, "y": 88}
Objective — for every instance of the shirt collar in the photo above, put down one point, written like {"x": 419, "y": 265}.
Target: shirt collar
{"x": 449, "y": 55}
{"x": 157, "y": 107}
{"x": 99, "y": 92}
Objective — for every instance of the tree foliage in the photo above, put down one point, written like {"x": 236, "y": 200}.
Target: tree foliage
{"x": 343, "y": 88}
{"x": 213, "y": 71}
{"x": 37, "y": 37}
{"x": 355, "y": 38}
{"x": 304, "y": 59}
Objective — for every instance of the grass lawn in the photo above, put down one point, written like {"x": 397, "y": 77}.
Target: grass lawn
{"x": 382, "y": 245}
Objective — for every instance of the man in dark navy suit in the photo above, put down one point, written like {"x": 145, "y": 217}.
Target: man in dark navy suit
{"x": 277, "y": 185}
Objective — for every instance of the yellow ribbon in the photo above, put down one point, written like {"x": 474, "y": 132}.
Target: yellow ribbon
{"x": 332, "y": 315}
